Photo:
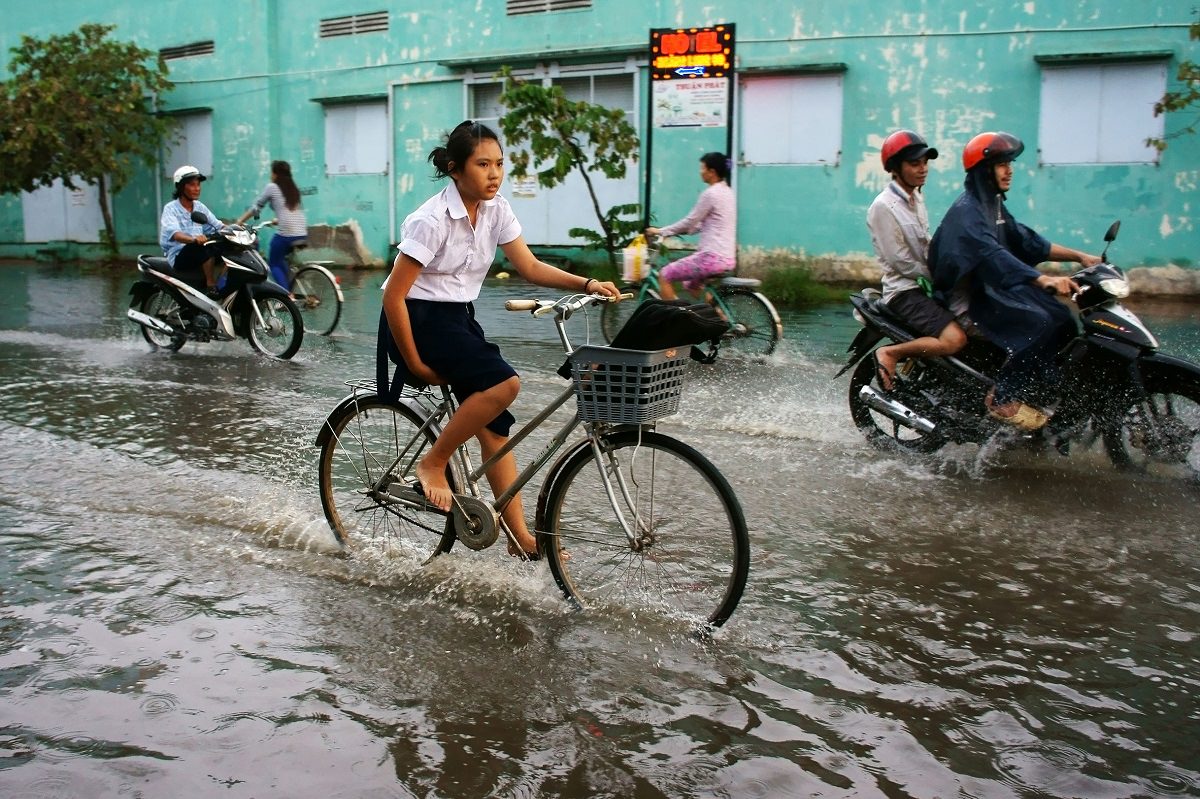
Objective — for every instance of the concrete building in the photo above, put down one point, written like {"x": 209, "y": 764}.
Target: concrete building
{"x": 355, "y": 96}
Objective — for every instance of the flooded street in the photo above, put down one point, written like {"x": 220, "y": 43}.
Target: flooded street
{"x": 174, "y": 621}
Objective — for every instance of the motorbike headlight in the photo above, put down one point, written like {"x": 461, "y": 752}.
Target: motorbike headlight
{"x": 1115, "y": 287}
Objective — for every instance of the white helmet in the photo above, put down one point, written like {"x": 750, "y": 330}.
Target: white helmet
{"x": 185, "y": 172}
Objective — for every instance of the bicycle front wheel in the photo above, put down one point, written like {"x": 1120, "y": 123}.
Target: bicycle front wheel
{"x": 755, "y": 327}
{"x": 317, "y": 296}
{"x": 614, "y": 315}
{"x": 364, "y": 441}
{"x": 690, "y": 552}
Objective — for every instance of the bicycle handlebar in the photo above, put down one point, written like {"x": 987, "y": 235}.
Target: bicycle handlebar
{"x": 563, "y": 306}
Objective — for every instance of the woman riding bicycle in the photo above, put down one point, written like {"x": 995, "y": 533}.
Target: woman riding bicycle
{"x": 284, "y": 198}
{"x": 428, "y": 323}
{"x": 715, "y": 216}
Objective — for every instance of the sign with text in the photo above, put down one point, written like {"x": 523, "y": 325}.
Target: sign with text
{"x": 691, "y": 53}
{"x": 691, "y": 103}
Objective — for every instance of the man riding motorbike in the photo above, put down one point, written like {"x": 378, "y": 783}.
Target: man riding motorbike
{"x": 982, "y": 261}
{"x": 182, "y": 238}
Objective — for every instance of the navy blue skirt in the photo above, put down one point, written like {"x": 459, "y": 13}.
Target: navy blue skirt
{"x": 452, "y": 344}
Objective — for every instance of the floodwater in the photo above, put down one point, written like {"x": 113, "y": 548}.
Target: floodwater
{"x": 173, "y": 622}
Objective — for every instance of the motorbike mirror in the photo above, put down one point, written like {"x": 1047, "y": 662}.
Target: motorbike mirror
{"x": 199, "y": 217}
{"x": 1109, "y": 237}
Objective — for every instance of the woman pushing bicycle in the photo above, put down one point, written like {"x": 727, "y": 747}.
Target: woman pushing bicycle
{"x": 715, "y": 216}
{"x": 428, "y": 327}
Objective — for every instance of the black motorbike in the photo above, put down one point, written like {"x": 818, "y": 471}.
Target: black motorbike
{"x": 173, "y": 309}
{"x": 1116, "y": 385}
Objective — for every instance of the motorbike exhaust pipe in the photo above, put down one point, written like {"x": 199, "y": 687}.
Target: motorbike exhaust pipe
{"x": 895, "y": 410}
{"x": 150, "y": 321}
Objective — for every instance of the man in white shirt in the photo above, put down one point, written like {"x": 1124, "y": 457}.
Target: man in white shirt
{"x": 899, "y": 226}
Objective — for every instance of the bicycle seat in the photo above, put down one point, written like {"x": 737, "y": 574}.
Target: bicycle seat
{"x": 741, "y": 282}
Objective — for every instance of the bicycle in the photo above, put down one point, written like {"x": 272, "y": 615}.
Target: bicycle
{"x": 625, "y": 516}
{"x": 754, "y": 325}
{"x": 316, "y": 290}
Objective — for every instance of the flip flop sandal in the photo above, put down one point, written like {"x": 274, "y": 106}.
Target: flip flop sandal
{"x": 887, "y": 381}
{"x": 1025, "y": 417}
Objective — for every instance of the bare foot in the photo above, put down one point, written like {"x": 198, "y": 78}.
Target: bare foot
{"x": 528, "y": 546}
{"x": 885, "y": 366}
{"x": 434, "y": 485}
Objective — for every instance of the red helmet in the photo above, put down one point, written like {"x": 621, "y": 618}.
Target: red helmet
{"x": 991, "y": 148}
{"x": 904, "y": 145}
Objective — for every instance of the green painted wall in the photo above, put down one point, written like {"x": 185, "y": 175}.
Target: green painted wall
{"x": 947, "y": 71}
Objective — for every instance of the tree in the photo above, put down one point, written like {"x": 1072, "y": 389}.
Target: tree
{"x": 1187, "y": 96}
{"x": 79, "y": 107}
{"x": 565, "y": 136}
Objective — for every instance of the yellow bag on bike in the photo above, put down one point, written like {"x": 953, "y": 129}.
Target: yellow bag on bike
{"x": 635, "y": 268}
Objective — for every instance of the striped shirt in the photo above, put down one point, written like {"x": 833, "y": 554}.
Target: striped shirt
{"x": 292, "y": 222}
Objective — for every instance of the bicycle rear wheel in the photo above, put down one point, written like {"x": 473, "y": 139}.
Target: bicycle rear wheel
{"x": 691, "y": 555}
{"x": 364, "y": 440}
{"x": 317, "y": 296}
{"x": 614, "y": 315}
{"x": 755, "y": 327}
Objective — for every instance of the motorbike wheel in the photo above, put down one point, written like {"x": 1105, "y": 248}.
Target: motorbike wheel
{"x": 282, "y": 329}
{"x": 161, "y": 305}
{"x": 881, "y": 431}
{"x": 1159, "y": 435}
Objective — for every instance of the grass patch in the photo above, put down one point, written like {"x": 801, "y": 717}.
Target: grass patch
{"x": 795, "y": 286}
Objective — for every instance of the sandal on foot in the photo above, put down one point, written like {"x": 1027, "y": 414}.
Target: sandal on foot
{"x": 1016, "y": 413}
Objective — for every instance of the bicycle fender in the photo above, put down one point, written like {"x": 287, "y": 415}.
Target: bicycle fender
{"x": 554, "y": 475}
{"x": 356, "y": 397}
{"x": 552, "y": 478}
{"x": 336, "y": 285}
{"x": 326, "y": 430}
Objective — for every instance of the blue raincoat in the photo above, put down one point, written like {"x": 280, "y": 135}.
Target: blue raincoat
{"x": 981, "y": 248}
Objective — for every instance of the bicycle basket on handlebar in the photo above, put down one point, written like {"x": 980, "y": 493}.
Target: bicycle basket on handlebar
{"x": 627, "y": 386}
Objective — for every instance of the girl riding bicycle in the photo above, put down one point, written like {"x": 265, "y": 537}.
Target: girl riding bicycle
{"x": 715, "y": 216}
{"x": 284, "y": 197}
{"x": 428, "y": 325}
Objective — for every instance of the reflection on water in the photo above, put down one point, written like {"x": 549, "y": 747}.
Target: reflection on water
{"x": 174, "y": 623}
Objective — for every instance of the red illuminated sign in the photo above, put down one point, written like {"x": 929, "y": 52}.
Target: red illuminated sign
{"x": 689, "y": 53}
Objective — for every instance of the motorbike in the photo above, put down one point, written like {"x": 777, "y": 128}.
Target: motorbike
{"x": 1116, "y": 386}
{"x": 172, "y": 309}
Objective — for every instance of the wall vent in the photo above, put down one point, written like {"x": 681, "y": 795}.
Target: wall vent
{"x": 354, "y": 24}
{"x": 516, "y": 7}
{"x": 187, "y": 50}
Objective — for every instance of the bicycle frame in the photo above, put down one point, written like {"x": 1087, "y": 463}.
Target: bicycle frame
{"x": 472, "y": 475}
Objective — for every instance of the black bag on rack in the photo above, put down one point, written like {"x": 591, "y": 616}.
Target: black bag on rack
{"x": 659, "y": 324}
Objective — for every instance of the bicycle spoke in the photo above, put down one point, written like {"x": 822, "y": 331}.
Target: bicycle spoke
{"x": 690, "y": 553}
